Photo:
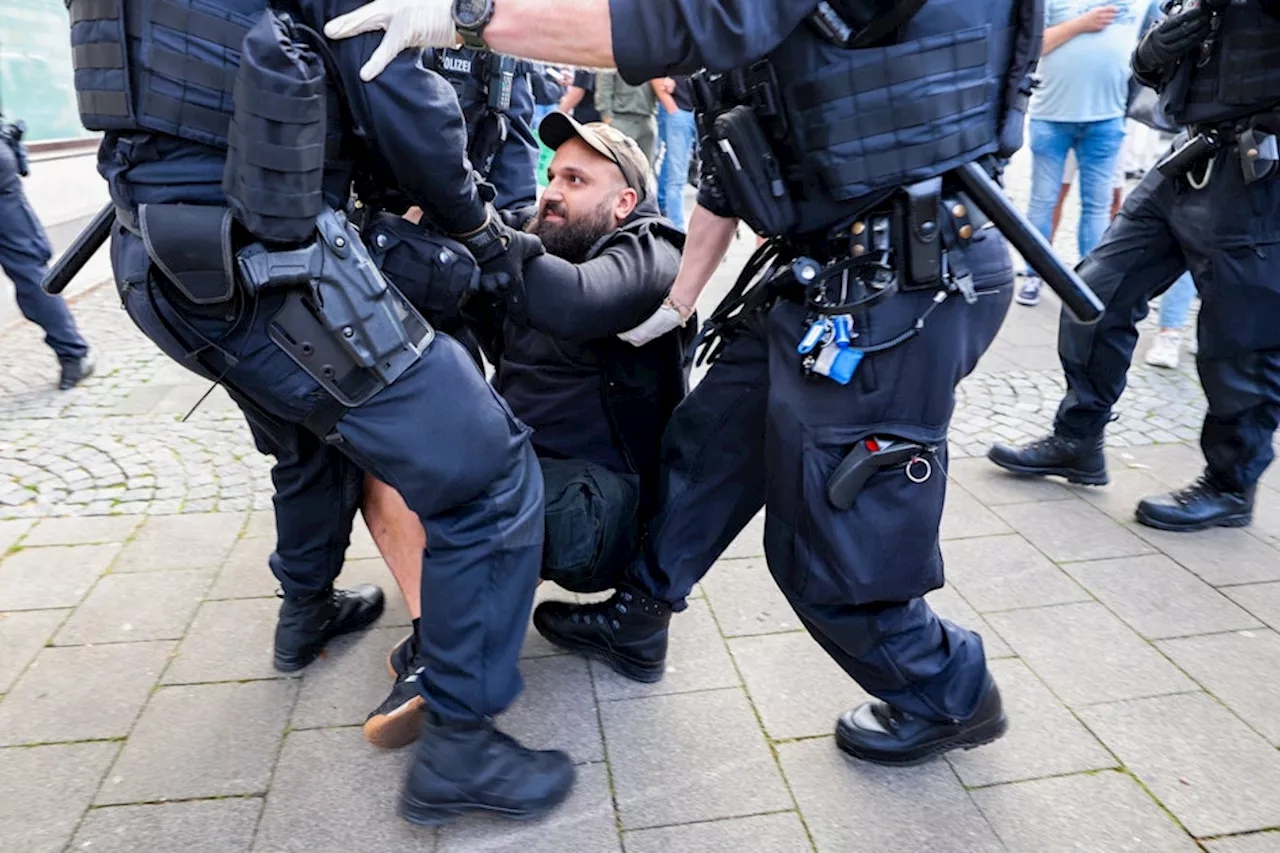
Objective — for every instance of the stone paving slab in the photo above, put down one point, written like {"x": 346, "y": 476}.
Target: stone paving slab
{"x": 1262, "y": 600}
{"x": 201, "y": 826}
{"x": 202, "y": 741}
{"x": 1220, "y": 556}
{"x": 1087, "y": 655}
{"x": 45, "y": 789}
{"x": 246, "y": 572}
{"x": 82, "y": 531}
{"x": 689, "y": 757}
{"x": 41, "y": 578}
{"x": 1072, "y": 531}
{"x": 1044, "y": 738}
{"x": 1005, "y": 573}
{"x": 134, "y": 607}
{"x": 11, "y": 531}
{"x": 746, "y": 599}
{"x": 797, "y": 689}
{"x": 847, "y": 803}
{"x": 205, "y": 539}
{"x": 1106, "y": 811}
{"x": 1158, "y": 598}
{"x": 1210, "y": 770}
{"x": 228, "y": 641}
{"x": 81, "y": 693}
{"x": 556, "y": 710}
{"x": 1240, "y": 668}
{"x": 349, "y": 681}
{"x": 22, "y": 635}
{"x": 1260, "y": 842}
{"x": 965, "y": 517}
{"x": 772, "y": 833}
{"x": 333, "y": 791}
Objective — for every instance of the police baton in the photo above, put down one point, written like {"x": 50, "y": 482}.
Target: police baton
{"x": 984, "y": 192}
{"x": 85, "y": 247}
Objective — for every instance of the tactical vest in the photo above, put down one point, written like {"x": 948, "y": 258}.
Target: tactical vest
{"x": 854, "y": 121}
{"x": 166, "y": 66}
{"x": 1241, "y": 75}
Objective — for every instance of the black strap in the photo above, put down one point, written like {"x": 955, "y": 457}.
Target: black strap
{"x": 324, "y": 417}
{"x": 882, "y": 26}
{"x": 278, "y": 158}
{"x": 97, "y": 55}
{"x": 905, "y": 159}
{"x": 93, "y": 10}
{"x": 188, "y": 69}
{"x": 220, "y": 31}
{"x": 182, "y": 113}
{"x": 103, "y": 103}
{"x": 290, "y": 109}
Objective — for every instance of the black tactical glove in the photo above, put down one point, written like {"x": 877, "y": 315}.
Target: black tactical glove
{"x": 1168, "y": 42}
{"x": 501, "y": 267}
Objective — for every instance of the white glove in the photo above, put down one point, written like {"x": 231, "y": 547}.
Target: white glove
{"x": 409, "y": 23}
{"x": 659, "y": 323}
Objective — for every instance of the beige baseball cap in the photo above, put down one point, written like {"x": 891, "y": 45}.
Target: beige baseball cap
{"x": 557, "y": 128}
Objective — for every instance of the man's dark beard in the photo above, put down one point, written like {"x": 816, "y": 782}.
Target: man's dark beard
{"x": 573, "y": 238}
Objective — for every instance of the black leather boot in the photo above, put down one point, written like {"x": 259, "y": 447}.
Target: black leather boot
{"x": 471, "y": 766}
{"x": 876, "y": 731}
{"x": 1199, "y": 506}
{"x": 628, "y": 632}
{"x": 306, "y": 624}
{"x": 1080, "y": 460}
{"x": 74, "y": 371}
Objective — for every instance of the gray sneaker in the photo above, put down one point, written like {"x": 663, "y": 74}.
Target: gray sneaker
{"x": 1029, "y": 291}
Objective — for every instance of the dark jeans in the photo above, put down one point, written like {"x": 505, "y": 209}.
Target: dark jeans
{"x": 592, "y": 524}
{"x": 24, "y": 254}
{"x": 1228, "y": 236}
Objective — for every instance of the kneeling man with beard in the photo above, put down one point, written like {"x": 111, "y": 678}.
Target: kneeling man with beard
{"x": 596, "y": 404}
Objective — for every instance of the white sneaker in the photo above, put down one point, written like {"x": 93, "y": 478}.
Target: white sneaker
{"x": 1166, "y": 350}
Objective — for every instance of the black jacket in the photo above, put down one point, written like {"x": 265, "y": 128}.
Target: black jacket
{"x": 574, "y": 314}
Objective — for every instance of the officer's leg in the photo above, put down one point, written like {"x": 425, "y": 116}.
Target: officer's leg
{"x": 1244, "y": 410}
{"x": 317, "y": 491}
{"x": 1230, "y": 231}
{"x": 857, "y": 576}
{"x": 1137, "y": 259}
{"x": 311, "y": 483}
{"x": 712, "y": 485}
{"x": 24, "y": 253}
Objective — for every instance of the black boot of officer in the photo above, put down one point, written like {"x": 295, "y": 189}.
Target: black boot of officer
{"x": 1080, "y": 460}
{"x": 628, "y": 631}
{"x": 1203, "y": 504}
{"x": 876, "y": 731}
{"x": 471, "y": 766}
{"x": 306, "y": 624}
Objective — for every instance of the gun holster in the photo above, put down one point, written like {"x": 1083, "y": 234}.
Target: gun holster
{"x": 192, "y": 246}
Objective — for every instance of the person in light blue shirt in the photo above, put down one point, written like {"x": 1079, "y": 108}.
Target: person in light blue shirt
{"x": 1080, "y": 107}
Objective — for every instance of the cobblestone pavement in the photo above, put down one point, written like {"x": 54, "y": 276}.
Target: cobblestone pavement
{"x": 139, "y": 710}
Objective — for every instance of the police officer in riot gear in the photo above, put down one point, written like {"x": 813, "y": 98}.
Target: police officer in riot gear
{"x": 24, "y": 253}
{"x": 830, "y": 128}
{"x": 233, "y": 136}
{"x": 497, "y": 103}
{"x": 1212, "y": 206}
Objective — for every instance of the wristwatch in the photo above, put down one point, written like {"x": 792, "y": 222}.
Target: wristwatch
{"x": 470, "y": 17}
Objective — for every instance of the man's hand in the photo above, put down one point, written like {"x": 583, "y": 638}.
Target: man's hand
{"x": 1097, "y": 20}
{"x": 408, "y": 23}
{"x": 504, "y": 271}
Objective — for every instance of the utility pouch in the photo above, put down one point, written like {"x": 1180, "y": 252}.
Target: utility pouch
{"x": 434, "y": 272}
{"x": 749, "y": 172}
{"x": 192, "y": 246}
{"x": 274, "y": 173}
{"x": 921, "y": 207}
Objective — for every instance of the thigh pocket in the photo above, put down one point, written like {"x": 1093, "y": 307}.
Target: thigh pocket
{"x": 885, "y": 546}
{"x": 574, "y": 540}
{"x": 1240, "y": 301}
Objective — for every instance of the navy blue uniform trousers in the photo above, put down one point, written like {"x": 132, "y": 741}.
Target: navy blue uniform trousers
{"x": 439, "y": 435}
{"x": 24, "y": 254}
{"x": 1228, "y": 235}
{"x": 757, "y": 432}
